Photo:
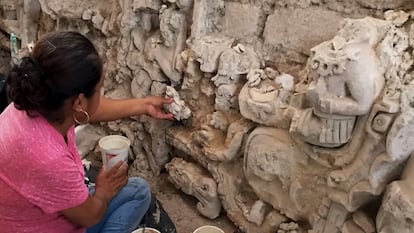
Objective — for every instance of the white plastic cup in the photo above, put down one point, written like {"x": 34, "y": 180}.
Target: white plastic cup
{"x": 147, "y": 230}
{"x": 208, "y": 229}
{"x": 114, "y": 148}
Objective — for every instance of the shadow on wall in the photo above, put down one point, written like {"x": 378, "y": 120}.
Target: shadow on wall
{"x": 3, "y": 96}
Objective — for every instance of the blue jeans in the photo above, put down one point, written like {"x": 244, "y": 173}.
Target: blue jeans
{"x": 126, "y": 209}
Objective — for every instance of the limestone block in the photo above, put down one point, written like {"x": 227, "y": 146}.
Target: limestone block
{"x": 9, "y": 9}
{"x": 69, "y": 9}
{"x": 207, "y": 17}
{"x": 300, "y": 29}
{"x": 141, "y": 84}
{"x": 146, "y": 5}
{"x": 250, "y": 25}
{"x": 382, "y": 4}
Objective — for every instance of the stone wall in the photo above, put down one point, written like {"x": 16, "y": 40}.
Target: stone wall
{"x": 292, "y": 115}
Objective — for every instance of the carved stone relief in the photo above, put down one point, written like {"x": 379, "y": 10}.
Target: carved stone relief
{"x": 178, "y": 108}
{"x": 193, "y": 180}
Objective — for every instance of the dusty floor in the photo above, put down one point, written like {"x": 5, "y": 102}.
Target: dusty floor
{"x": 181, "y": 208}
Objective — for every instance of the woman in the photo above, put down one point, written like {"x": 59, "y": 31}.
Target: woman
{"x": 41, "y": 175}
{"x": 3, "y": 97}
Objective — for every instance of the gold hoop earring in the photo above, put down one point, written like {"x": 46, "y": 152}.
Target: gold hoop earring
{"x": 86, "y": 115}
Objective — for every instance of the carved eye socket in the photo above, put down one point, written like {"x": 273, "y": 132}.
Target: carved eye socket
{"x": 315, "y": 64}
{"x": 205, "y": 187}
{"x": 335, "y": 68}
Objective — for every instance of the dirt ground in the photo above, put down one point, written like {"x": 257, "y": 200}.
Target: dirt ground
{"x": 182, "y": 208}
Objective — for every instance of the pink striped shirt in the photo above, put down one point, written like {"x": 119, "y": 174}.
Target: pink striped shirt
{"x": 40, "y": 175}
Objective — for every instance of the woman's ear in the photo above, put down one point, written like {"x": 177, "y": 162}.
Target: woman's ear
{"x": 80, "y": 103}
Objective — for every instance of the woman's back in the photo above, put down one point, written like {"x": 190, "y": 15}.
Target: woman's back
{"x": 40, "y": 175}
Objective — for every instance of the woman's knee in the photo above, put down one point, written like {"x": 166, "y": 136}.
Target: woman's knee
{"x": 141, "y": 188}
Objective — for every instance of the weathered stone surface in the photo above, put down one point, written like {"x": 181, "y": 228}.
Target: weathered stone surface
{"x": 207, "y": 17}
{"x": 364, "y": 222}
{"x": 383, "y": 4}
{"x": 68, "y": 9}
{"x": 141, "y": 84}
{"x": 250, "y": 25}
{"x": 304, "y": 28}
{"x": 194, "y": 180}
{"x": 396, "y": 213}
{"x": 351, "y": 227}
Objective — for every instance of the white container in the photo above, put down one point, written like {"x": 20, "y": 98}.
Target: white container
{"x": 147, "y": 230}
{"x": 208, "y": 229}
{"x": 114, "y": 148}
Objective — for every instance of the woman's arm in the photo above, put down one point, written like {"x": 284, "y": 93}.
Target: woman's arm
{"x": 88, "y": 213}
{"x": 109, "y": 110}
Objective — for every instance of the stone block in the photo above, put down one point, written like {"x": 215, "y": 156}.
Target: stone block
{"x": 300, "y": 29}
{"x": 243, "y": 20}
{"x": 383, "y": 4}
{"x": 72, "y": 9}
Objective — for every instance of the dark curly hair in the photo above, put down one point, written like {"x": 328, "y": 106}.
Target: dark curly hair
{"x": 62, "y": 65}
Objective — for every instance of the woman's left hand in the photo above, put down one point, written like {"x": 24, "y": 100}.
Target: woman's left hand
{"x": 154, "y": 107}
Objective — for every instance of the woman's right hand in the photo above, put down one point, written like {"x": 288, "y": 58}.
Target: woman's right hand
{"x": 109, "y": 182}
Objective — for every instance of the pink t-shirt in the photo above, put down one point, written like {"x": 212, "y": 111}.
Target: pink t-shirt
{"x": 40, "y": 175}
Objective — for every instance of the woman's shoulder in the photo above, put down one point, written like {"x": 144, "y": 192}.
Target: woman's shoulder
{"x": 21, "y": 132}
